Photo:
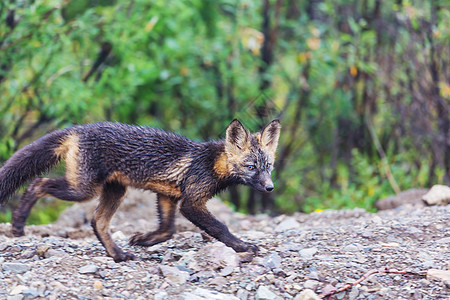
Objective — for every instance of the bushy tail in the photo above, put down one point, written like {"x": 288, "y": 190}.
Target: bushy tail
{"x": 29, "y": 162}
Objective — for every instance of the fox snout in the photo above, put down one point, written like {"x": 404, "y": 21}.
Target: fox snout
{"x": 265, "y": 183}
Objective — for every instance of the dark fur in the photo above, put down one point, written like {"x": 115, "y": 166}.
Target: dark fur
{"x": 105, "y": 158}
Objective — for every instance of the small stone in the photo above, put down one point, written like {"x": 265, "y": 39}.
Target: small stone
{"x": 351, "y": 248}
{"x": 308, "y": 253}
{"x": 30, "y": 292}
{"x": 287, "y": 224}
{"x": 88, "y": 269}
{"x": 353, "y": 293}
{"x": 204, "y": 294}
{"x": 263, "y": 292}
{"x": 98, "y": 285}
{"x": 340, "y": 295}
{"x": 18, "y": 290}
{"x": 392, "y": 244}
{"x": 307, "y": 294}
{"x": 17, "y": 268}
{"x": 15, "y": 297}
{"x": 174, "y": 275}
{"x": 272, "y": 261}
{"x": 27, "y": 254}
{"x": 162, "y": 295}
{"x": 55, "y": 253}
{"x": 435, "y": 274}
{"x": 219, "y": 280}
{"x": 311, "y": 284}
{"x": 118, "y": 235}
{"x": 42, "y": 249}
{"x": 437, "y": 195}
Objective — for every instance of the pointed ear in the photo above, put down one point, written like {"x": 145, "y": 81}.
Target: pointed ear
{"x": 237, "y": 138}
{"x": 270, "y": 135}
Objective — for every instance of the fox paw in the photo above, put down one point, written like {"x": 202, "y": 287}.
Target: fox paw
{"x": 149, "y": 239}
{"x": 123, "y": 256}
{"x": 246, "y": 247}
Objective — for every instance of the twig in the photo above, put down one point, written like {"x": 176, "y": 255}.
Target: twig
{"x": 382, "y": 154}
{"x": 384, "y": 270}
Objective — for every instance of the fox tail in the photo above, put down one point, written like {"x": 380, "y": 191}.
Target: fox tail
{"x": 29, "y": 162}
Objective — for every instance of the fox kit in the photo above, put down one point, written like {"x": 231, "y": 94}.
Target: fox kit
{"x": 103, "y": 159}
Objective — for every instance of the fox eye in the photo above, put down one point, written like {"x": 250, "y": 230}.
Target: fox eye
{"x": 268, "y": 165}
{"x": 251, "y": 167}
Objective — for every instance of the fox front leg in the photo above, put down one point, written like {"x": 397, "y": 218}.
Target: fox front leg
{"x": 199, "y": 215}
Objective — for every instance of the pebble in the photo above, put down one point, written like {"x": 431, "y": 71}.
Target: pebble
{"x": 88, "y": 269}
{"x": 289, "y": 261}
{"x": 308, "y": 253}
{"x": 174, "y": 275}
{"x": 204, "y": 294}
{"x": 307, "y": 294}
{"x": 98, "y": 285}
{"x": 265, "y": 293}
{"x": 272, "y": 261}
{"x": 311, "y": 284}
{"x": 16, "y": 267}
{"x": 287, "y": 224}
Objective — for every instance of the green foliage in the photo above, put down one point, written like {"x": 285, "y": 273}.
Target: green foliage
{"x": 326, "y": 68}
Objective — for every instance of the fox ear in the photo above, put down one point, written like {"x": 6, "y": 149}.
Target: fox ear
{"x": 237, "y": 138}
{"x": 270, "y": 135}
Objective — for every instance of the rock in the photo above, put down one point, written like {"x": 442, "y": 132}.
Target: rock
{"x": 15, "y": 297}
{"x": 311, "y": 284}
{"x": 272, "y": 261}
{"x": 219, "y": 280}
{"x": 18, "y": 290}
{"x": 218, "y": 256}
{"x": 353, "y": 293}
{"x": 308, "y": 253}
{"x": 445, "y": 240}
{"x": 55, "y": 253}
{"x": 162, "y": 295}
{"x": 436, "y": 274}
{"x": 412, "y": 196}
{"x": 42, "y": 249}
{"x": 30, "y": 292}
{"x": 118, "y": 235}
{"x": 204, "y": 294}
{"x": 287, "y": 224}
{"x": 263, "y": 292}
{"x": 352, "y": 248}
{"x": 98, "y": 285}
{"x": 174, "y": 275}
{"x": 15, "y": 267}
{"x": 307, "y": 294}
{"x": 88, "y": 269}
{"x": 392, "y": 244}
{"x": 438, "y": 195}
{"x": 28, "y": 254}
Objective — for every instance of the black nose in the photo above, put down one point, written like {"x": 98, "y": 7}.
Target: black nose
{"x": 269, "y": 188}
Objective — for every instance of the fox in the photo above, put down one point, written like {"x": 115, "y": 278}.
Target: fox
{"x": 104, "y": 159}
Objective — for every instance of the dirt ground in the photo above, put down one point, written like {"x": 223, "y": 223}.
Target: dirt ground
{"x": 406, "y": 249}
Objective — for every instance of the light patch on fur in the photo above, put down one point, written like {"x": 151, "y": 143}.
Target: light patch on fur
{"x": 119, "y": 177}
{"x": 69, "y": 151}
{"x": 166, "y": 205}
{"x": 161, "y": 187}
{"x": 177, "y": 170}
{"x": 221, "y": 165}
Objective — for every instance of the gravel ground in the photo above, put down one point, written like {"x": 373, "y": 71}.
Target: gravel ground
{"x": 319, "y": 252}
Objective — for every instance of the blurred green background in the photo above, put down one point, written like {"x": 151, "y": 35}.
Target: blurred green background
{"x": 361, "y": 86}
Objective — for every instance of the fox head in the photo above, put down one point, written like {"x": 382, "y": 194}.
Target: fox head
{"x": 251, "y": 156}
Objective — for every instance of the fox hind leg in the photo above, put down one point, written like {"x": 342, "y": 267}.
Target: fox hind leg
{"x": 166, "y": 211}
{"x": 110, "y": 199}
{"x": 41, "y": 187}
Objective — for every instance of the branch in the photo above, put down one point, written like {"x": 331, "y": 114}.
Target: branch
{"x": 384, "y": 270}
